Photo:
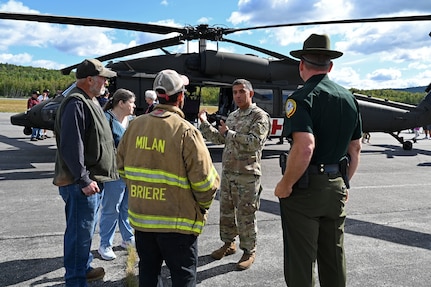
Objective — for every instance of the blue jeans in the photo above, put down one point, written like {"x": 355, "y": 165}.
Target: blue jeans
{"x": 81, "y": 214}
{"x": 114, "y": 210}
{"x": 180, "y": 252}
{"x": 35, "y": 132}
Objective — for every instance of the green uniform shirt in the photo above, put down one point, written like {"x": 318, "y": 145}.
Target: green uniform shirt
{"x": 328, "y": 111}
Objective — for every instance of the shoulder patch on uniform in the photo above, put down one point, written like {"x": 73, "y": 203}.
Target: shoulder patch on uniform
{"x": 290, "y": 107}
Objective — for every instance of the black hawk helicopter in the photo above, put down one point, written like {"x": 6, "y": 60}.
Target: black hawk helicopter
{"x": 274, "y": 78}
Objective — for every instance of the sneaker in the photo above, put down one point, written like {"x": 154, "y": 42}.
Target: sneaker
{"x": 246, "y": 261}
{"x": 106, "y": 253}
{"x": 228, "y": 248}
{"x": 126, "y": 244}
{"x": 40, "y": 138}
{"x": 95, "y": 274}
{"x": 46, "y": 136}
{"x": 33, "y": 139}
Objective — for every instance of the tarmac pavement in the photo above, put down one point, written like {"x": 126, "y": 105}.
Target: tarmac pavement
{"x": 388, "y": 232}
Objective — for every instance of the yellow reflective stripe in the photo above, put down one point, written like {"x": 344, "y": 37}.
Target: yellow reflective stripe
{"x": 207, "y": 183}
{"x": 165, "y": 222}
{"x": 121, "y": 172}
{"x": 155, "y": 176}
{"x": 206, "y": 204}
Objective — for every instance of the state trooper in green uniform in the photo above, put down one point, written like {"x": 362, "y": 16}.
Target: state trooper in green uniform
{"x": 323, "y": 121}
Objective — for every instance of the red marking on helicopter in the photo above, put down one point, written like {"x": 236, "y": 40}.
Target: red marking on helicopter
{"x": 277, "y": 126}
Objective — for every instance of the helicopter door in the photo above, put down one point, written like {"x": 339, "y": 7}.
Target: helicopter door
{"x": 192, "y": 103}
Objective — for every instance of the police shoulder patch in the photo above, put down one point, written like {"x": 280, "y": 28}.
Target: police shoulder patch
{"x": 290, "y": 107}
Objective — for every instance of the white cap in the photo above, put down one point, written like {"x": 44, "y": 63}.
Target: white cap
{"x": 171, "y": 82}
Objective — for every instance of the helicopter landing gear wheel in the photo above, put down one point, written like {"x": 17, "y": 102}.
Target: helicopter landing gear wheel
{"x": 408, "y": 145}
{"x": 27, "y": 131}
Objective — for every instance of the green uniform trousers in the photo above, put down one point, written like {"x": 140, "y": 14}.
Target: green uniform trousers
{"x": 313, "y": 230}
{"x": 239, "y": 201}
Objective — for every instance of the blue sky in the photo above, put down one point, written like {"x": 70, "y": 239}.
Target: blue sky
{"x": 376, "y": 55}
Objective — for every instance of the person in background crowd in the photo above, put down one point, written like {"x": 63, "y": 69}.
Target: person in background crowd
{"x": 324, "y": 124}
{"x": 43, "y": 97}
{"x": 366, "y": 136}
{"x": 118, "y": 111}
{"x": 59, "y": 92}
{"x": 32, "y": 101}
{"x": 85, "y": 159}
{"x": 151, "y": 99}
{"x": 427, "y": 131}
{"x": 244, "y": 135}
{"x": 417, "y": 131}
{"x": 103, "y": 99}
{"x": 172, "y": 182}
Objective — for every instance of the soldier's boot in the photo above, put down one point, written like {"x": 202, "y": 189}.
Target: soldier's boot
{"x": 246, "y": 261}
{"x": 227, "y": 249}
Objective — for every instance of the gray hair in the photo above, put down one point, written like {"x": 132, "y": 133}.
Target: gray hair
{"x": 151, "y": 94}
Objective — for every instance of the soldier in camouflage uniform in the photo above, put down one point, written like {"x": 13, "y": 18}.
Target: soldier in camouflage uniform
{"x": 244, "y": 134}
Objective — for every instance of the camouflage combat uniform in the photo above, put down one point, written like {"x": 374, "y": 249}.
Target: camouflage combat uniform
{"x": 240, "y": 184}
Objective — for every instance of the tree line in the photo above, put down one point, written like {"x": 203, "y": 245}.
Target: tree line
{"x": 403, "y": 96}
{"x": 19, "y": 82}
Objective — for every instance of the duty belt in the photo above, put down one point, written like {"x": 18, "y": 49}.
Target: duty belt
{"x": 323, "y": 168}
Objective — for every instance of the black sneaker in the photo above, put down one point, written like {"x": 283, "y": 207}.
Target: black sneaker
{"x": 95, "y": 274}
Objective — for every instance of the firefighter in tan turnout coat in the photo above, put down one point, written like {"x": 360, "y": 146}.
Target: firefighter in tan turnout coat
{"x": 171, "y": 181}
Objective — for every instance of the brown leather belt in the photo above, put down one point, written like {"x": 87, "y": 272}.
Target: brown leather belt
{"x": 323, "y": 168}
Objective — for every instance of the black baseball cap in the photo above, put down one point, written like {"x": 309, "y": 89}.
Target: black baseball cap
{"x": 93, "y": 67}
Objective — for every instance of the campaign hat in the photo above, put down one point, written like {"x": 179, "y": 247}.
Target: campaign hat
{"x": 317, "y": 44}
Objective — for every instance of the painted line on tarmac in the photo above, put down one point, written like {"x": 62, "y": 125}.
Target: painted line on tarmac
{"x": 390, "y": 186}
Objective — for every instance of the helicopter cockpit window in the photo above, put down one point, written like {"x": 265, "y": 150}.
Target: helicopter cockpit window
{"x": 263, "y": 99}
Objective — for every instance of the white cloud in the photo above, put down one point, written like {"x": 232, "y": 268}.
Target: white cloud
{"x": 384, "y": 75}
{"x": 16, "y": 6}
{"x": 45, "y": 64}
{"x": 17, "y": 59}
{"x": 369, "y": 49}
{"x": 380, "y": 46}
{"x": 92, "y": 41}
{"x": 204, "y": 20}
{"x": 26, "y": 59}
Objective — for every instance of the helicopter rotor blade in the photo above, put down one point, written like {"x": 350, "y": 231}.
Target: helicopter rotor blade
{"x": 131, "y": 51}
{"x": 348, "y": 21}
{"x": 133, "y": 26}
{"x": 259, "y": 49}
{"x": 165, "y": 51}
